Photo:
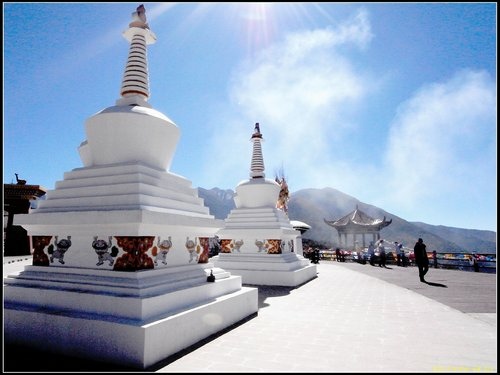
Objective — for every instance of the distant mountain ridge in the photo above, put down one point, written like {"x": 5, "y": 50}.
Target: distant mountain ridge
{"x": 312, "y": 206}
{"x": 220, "y": 202}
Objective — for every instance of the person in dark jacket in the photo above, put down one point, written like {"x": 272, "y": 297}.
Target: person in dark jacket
{"x": 421, "y": 259}
{"x": 381, "y": 253}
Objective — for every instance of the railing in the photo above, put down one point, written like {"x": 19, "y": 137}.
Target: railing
{"x": 464, "y": 262}
{"x": 485, "y": 262}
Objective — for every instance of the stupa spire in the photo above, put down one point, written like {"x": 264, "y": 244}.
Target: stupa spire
{"x": 135, "y": 83}
{"x": 257, "y": 167}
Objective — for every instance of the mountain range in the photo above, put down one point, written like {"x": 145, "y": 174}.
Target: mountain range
{"x": 314, "y": 206}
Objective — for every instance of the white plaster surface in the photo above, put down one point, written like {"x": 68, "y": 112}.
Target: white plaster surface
{"x": 124, "y": 134}
{"x": 126, "y": 342}
{"x": 251, "y": 227}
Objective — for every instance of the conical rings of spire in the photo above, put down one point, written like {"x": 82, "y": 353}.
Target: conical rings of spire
{"x": 257, "y": 166}
{"x": 135, "y": 80}
{"x": 135, "y": 83}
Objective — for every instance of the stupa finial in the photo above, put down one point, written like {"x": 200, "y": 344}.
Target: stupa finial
{"x": 257, "y": 166}
{"x": 139, "y": 18}
{"x": 257, "y": 129}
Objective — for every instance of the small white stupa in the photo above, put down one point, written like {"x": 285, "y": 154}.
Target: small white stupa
{"x": 258, "y": 241}
{"x": 120, "y": 270}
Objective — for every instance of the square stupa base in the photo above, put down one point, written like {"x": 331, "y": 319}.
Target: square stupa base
{"x": 129, "y": 329}
{"x": 287, "y": 269}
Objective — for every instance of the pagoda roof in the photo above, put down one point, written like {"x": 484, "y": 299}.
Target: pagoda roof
{"x": 358, "y": 219}
{"x": 26, "y": 192}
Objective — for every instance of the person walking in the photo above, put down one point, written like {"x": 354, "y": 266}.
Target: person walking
{"x": 397, "y": 249}
{"x": 371, "y": 253}
{"x": 476, "y": 264}
{"x": 381, "y": 252}
{"x": 404, "y": 260}
{"x": 473, "y": 262}
{"x": 421, "y": 259}
{"x": 338, "y": 255}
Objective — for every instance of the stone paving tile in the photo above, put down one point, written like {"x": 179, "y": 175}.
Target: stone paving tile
{"x": 345, "y": 329}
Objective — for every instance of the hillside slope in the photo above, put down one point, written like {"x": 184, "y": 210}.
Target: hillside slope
{"x": 313, "y": 206}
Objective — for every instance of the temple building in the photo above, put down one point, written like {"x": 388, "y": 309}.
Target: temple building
{"x": 358, "y": 223}
{"x": 17, "y": 200}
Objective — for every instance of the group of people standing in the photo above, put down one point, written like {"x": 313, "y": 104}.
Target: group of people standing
{"x": 421, "y": 259}
{"x": 382, "y": 259}
{"x": 382, "y": 256}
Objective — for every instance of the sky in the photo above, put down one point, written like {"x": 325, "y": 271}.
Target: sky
{"x": 394, "y": 104}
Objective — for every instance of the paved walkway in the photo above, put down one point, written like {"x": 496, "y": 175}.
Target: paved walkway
{"x": 469, "y": 292}
{"x": 351, "y": 318}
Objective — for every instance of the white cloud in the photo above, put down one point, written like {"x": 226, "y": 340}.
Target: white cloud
{"x": 442, "y": 142}
{"x": 357, "y": 30}
{"x": 297, "y": 90}
{"x": 441, "y": 145}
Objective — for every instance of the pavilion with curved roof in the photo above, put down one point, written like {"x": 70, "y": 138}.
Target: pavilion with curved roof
{"x": 358, "y": 223}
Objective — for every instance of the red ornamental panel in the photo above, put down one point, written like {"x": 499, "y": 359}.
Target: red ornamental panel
{"x": 205, "y": 246}
{"x": 39, "y": 257}
{"x": 274, "y": 246}
{"x": 225, "y": 246}
{"x": 135, "y": 257}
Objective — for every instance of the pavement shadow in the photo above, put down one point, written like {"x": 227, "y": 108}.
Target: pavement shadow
{"x": 435, "y": 284}
{"x": 15, "y": 355}
{"x": 266, "y": 291}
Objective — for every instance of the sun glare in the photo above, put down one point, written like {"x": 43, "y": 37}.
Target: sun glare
{"x": 263, "y": 22}
{"x": 256, "y": 11}
{"x": 259, "y": 25}
{"x": 256, "y": 24}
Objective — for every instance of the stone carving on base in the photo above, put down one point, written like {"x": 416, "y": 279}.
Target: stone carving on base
{"x": 192, "y": 249}
{"x": 161, "y": 250}
{"x": 135, "y": 257}
{"x": 102, "y": 249}
{"x": 39, "y": 256}
{"x": 226, "y": 245}
{"x": 237, "y": 245}
{"x": 205, "y": 249}
{"x": 273, "y": 246}
{"x": 61, "y": 248}
{"x": 261, "y": 245}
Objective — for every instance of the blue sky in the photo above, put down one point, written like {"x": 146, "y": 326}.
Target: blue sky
{"x": 392, "y": 103}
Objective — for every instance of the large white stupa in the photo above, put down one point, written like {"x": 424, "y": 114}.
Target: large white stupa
{"x": 258, "y": 241}
{"x": 120, "y": 270}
